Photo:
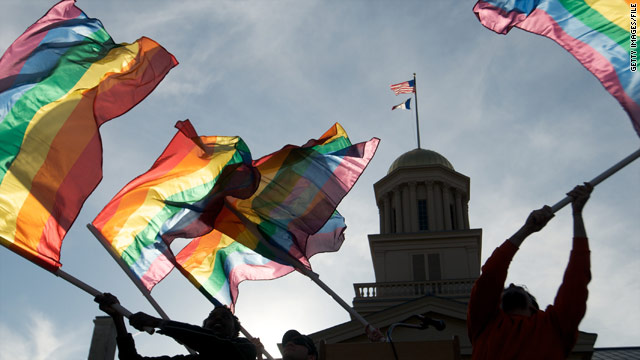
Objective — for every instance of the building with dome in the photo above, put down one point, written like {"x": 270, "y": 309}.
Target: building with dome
{"x": 425, "y": 259}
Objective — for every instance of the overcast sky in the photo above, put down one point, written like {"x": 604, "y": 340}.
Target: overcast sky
{"x": 517, "y": 114}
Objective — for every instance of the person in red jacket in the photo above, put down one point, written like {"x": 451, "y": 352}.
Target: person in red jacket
{"x": 507, "y": 323}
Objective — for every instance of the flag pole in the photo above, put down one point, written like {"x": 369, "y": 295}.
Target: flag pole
{"x": 145, "y": 292}
{"x": 415, "y": 100}
{"x": 600, "y": 178}
{"x": 89, "y": 289}
{"x": 298, "y": 266}
{"x": 127, "y": 270}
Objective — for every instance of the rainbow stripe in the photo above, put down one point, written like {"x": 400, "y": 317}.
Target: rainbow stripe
{"x": 140, "y": 222}
{"x": 59, "y": 81}
{"x": 291, "y": 195}
{"x": 216, "y": 264}
{"x": 601, "y": 34}
{"x": 293, "y": 209}
{"x": 300, "y": 188}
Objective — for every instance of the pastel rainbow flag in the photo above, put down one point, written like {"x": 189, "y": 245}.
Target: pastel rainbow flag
{"x": 601, "y": 34}
{"x": 300, "y": 188}
{"x": 140, "y": 222}
{"x": 59, "y": 81}
{"x": 216, "y": 264}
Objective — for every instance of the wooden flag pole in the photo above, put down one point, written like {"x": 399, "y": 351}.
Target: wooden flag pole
{"x": 415, "y": 100}
{"x": 600, "y": 178}
{"x": 145, "y": 292}
{"x": 299, "y": 266}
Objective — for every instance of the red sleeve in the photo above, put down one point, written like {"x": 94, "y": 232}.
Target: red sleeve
{"x": 484, "y": 303}
{"x": 570, "y": 303}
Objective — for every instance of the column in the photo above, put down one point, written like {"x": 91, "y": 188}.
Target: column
{"x": 381, "y": 217}
{"x": 459, "y": 217}
{"x": 397, "y": 203}
{"x": 103, "y": 340}
{"x": 465, "y": 212}
{"x": 413, "y": 204}
{"x": 437, "y": 191}
{"x": 406, "y": 209}
{"x": 431, "y": 202}
{"x": 386, "y": 199}
{"x": 446, "y": 206}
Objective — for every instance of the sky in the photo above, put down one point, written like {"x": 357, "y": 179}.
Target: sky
{"x": 517, "y": 114}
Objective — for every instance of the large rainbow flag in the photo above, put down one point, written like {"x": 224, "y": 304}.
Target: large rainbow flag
{"x": 141, "y": 221}
{"x": 601, "y": 34}
{"x": 293, "y": 210}
{"x": 59, "y": 81}
{"x": 300, "y": 188}
{"x": 293, "y": 205}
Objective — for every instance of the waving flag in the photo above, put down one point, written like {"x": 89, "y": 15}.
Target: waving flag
{"x": 300, "y": 188}
{"x": 405, "y": 105}
{"x": 59, "y": 81}
{"x": 293, "y": 205}
{"x": 600, "y": 34}
{"x": 407, "y": 87}
{"x": 140, "y": 222}
{"x": 216, "y": 264}
{"x": 293, "y": 210}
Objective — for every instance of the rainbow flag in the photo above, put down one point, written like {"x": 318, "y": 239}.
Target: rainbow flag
{"x": 291, "y": 195}
{"x": 300, "y": 188}
{"x": 141, "y": 221}
{"x": 601, "y": 34}
{"x": 293, "y": 210}
{"x": 59, "y": 81}
{"x": 216, "y": 264}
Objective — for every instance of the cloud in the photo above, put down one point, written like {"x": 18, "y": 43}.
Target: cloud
{"x": 40, "y": 339}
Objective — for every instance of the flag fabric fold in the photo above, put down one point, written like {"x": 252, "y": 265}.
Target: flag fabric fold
{"x": 216, "y": 264}
{"x": 601, "y": 35}
{"x": 300, "y": 188}
{"x": 405, "y": 105}
{"x": 406, "y": 87}
{"x": 142, "y": 220}
{"x": 59, "y": 81}
{"x": 292, "y": 203}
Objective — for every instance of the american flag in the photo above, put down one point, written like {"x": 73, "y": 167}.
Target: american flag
{"x": 406, "y": 87}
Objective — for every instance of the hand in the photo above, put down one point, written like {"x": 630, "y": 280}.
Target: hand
{"x": 538, "y": 219}
{"x": 374, "y": 334}
{"x": 579, "y": 196}
{"x": 259, "y": 347}
{"x": 106, "y": 301}
{"x": 142, "y": 321}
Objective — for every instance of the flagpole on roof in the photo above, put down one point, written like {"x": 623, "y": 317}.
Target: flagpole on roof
{"x": 415, "y": 100}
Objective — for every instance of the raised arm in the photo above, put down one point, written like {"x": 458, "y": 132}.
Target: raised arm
{"x": 570, "y": 303}
{"x": 484, "y": 303}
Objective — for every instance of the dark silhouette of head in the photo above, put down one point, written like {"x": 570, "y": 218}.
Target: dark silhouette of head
{"x": 222, "y": 322}
{"x": 516, "y": 299}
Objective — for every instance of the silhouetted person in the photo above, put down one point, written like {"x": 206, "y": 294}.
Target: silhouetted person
{"x": 507, "y": 323}
{"x": 216, "y": 339}
{"x": 296, "y": 346}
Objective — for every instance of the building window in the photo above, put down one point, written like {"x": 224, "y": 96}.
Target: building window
{"x": 419, "y": 268}
{"x": 423, "y": 218}
{"x": 434, "y": 267}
